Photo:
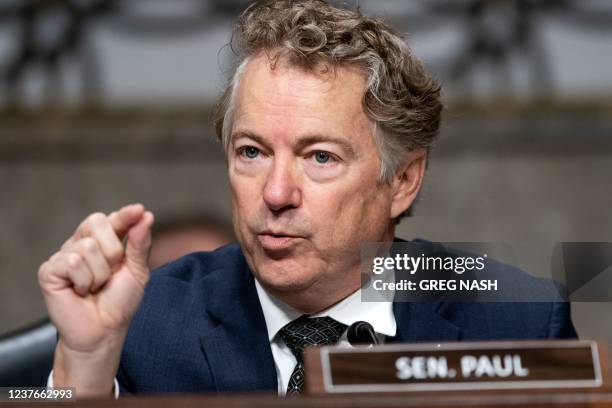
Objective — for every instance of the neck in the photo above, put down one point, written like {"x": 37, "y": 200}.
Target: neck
{"x": 315, "y": 299}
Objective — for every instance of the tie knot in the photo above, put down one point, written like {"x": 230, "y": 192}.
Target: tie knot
{"x": 314, "y": 331}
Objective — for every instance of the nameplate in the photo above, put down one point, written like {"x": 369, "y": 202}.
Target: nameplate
{"x": 460, "y": 366}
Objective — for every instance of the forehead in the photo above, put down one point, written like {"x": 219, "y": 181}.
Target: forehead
{"x": 287, "y": 99}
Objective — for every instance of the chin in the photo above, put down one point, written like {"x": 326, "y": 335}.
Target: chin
{"x": 283, "y": 278}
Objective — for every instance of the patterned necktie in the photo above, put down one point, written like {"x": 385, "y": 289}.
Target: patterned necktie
{"x": 304, "y": 331}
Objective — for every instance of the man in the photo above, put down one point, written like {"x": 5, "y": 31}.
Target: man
{"x": 326, "y": 125}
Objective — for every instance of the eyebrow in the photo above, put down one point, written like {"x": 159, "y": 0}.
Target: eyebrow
{"x": 302, "y": 142}
{"x": 245, "y": 134}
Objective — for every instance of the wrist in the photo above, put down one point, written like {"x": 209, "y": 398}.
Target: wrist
{"x": 91, "y": 372}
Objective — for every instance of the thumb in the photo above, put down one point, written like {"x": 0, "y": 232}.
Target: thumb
{"x": 138, "y": 246}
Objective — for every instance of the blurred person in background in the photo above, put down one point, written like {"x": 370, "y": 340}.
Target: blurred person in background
{"x": 179, "y": 236}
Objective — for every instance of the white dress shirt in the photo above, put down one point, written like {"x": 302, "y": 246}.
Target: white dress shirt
{"x": 348, "y": 311}
{"x": 115, "y": 388}
{"x": 277, "y": 314}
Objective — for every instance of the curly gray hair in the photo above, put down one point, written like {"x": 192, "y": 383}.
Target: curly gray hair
{"x": 400, "y": 98}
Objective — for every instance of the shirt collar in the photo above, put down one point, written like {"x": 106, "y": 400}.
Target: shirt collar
{"x": 348, "y": 311}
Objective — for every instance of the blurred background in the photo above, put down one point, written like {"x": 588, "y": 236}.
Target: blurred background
{"x": 107, "y": 102}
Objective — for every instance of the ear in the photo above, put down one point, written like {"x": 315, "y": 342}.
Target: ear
{"x": 407, "y": 181}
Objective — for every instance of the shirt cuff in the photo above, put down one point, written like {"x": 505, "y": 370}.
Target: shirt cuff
{"x": 115, "y": 386}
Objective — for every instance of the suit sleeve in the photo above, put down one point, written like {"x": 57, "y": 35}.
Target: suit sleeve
{"x": 561, "y": 326}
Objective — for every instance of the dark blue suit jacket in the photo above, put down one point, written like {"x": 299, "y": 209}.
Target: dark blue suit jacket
{"x": 200, "y": 327}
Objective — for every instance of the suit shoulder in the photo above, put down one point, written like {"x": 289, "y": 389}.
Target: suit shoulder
{"x": 515, "y": 284}
{"x": 527, "y": 306}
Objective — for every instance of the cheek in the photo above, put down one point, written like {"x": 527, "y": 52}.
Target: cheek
{"x": 245, "y": 187}
{"x": 353, "y": 213}
{"x": 245, "y": 194}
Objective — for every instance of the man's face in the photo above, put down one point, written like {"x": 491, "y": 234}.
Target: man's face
{"x": 303, "y": 168}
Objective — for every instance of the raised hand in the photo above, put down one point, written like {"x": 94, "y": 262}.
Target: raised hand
{"x": 92, "y": 287}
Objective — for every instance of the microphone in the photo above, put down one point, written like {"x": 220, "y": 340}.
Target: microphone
{"x": 361, "y": 333}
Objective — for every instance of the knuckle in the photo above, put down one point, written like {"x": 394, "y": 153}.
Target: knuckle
{"x": 115, "y": 253}
{"x": 74, "y": 261}
{"x": 55, "y": 256}
{"x": 92, "y": 221}
{"x": 65, "y": 245}
{"x": 96, "y": 218}
{"x": 42, "y": 270}
{"x": 82, "y": 281}
{"x": 90, "y": 245}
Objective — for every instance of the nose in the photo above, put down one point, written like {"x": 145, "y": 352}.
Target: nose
{"x": 282, "y": 190}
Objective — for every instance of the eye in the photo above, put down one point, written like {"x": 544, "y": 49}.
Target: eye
{"x": 322, "y": 157}
{"x": 249, "y": 152}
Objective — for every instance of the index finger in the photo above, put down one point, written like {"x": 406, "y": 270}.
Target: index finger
{"x": 123, "y": 219}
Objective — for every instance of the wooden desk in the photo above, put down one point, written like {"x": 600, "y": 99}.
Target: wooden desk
{"x": 447, "y": 400}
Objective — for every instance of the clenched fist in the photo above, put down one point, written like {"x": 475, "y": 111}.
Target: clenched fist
{"x": 92, "y": 287}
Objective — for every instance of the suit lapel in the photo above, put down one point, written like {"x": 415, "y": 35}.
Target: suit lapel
{"x": 422, "y": 321}
{"x": 234, "y": 337}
